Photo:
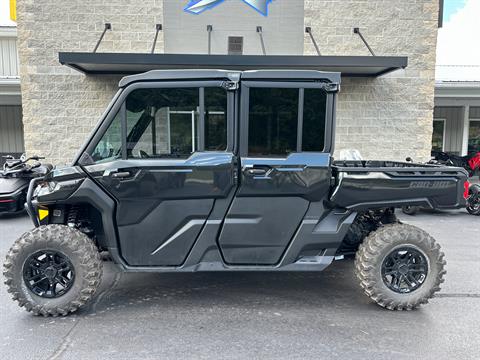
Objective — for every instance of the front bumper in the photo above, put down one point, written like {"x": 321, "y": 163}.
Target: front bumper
{"x": 32, "y": 208}
{"x": 11, "y": 203}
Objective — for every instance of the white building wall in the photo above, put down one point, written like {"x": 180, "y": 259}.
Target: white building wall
{"x": 11, "y": 127}
{"x": 283, "y": 29}
{"x": 8, "y": 53}
{"x": 453, "y": 116}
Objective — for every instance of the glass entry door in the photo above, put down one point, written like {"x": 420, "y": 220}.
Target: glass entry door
{"x": 438, "y": 136}
{"x": 474, "y": 136}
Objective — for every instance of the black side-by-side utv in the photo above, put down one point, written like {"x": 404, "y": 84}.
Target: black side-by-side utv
{"x": 215, "y": 170}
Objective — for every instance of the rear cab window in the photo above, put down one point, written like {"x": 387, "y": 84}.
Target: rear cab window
{"x": 282, "y": 121}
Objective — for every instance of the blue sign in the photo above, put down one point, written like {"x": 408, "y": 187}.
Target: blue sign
{"x": 198, "y": 6}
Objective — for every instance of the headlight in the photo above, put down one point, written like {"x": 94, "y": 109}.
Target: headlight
{"x": 54, "y": 191}
{"x": 45, "y": 188}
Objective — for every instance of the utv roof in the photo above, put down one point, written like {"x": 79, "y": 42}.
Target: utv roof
{"x": 288, "y": 75}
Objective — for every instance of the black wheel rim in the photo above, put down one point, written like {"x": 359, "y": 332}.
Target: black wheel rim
{"x": 404, "y": 269}
{"x": 474, "y": 207}
{"x": 48, "y": 273}
{"x": 473, "y": 203}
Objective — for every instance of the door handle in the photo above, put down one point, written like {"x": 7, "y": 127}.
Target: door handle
{"x": 120, "y": 175}
{"x": 257, "y": 172}
{"x": 116, "y": 174}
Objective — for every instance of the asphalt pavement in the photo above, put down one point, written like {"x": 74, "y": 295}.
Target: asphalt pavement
{"x": 257, "y": 315}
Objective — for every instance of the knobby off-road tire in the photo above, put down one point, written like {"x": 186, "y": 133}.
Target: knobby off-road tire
{"x": 378, "y": 246}
{"x": 76, "y": 247}
{"x": 473, "y": 205}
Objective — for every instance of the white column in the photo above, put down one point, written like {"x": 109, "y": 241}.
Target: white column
{"x": 466, "y": 125}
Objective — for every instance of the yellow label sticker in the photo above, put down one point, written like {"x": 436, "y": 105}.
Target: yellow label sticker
{"x": 13, "y": 10}
{"x": 42, "y": 214}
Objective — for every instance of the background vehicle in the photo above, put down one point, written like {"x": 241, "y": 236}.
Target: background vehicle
{"x": 14, "y": 180}
{"x": 473, "y": 200}
{"x": 471, "y": 163}
{"x": 215, "y": 170}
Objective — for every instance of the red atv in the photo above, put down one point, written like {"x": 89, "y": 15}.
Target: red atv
{"x": 470, "y": 163}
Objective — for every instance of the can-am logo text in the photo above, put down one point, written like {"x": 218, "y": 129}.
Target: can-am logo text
{"x": 198, "y": 6}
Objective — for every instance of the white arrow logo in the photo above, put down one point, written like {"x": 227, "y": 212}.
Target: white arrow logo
{"x": 198, "y": 6}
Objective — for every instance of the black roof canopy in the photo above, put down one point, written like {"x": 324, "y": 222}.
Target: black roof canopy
{"x": 134, "y": 63}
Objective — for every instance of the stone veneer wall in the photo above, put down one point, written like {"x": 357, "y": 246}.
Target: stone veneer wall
{"x": 60, "y": 105}
{"x": 388, "y": 117}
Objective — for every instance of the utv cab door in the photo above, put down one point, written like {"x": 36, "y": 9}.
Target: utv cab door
{"x": 164, "y": 153}
{"x": 285, "y": 132}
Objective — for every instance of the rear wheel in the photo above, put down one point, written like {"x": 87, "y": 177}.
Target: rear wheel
{"x": 410, "y": 210}
{"x": 53, "y": 270}
{"x": 473, "y": 201}
{"x": 400, "y": 266}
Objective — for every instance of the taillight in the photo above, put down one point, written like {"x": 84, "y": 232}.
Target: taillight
{"x": 466, "y": 186}
{"x": 7, "y": 201}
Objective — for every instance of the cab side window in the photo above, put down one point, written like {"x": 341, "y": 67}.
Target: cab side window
{"x": 215, "y": 119}
{"x": 162, "y": 122}
{"x": 275, "y": 119}
{"x": 314, "y": 116}
{"x": 109, "y": 147}
{"x": 166, "y": 123}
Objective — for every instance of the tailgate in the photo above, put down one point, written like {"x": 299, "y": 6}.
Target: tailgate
{"x": 363, "y": 185}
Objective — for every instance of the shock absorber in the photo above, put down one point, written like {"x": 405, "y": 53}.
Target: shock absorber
{"x": 73, "y": 216}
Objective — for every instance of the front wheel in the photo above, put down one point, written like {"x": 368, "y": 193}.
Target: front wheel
{"x": 53, "y": 270}
{"x": 400, "y": 266}
{"x": 473, "y": 201}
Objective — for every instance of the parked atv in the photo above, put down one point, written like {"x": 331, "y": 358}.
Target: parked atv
{"x": 14, "y": 180}
{"x": 473, "y": 200}
{"x": 214, "y": 170}
{"x": 470, "y": 163}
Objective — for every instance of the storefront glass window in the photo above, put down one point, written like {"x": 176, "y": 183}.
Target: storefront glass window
{"x": 438, "y": 134}
{"x": 474, "y": 136}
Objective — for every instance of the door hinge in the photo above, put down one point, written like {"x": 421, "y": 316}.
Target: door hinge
{"x": 333, "y": 181}
{"x": 230, "y": 85}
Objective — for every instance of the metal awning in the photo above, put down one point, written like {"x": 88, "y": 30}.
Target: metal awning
{"x": 134, "y": 63}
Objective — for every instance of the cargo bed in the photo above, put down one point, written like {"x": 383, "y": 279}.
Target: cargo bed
{"x": 369, "y": 184}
